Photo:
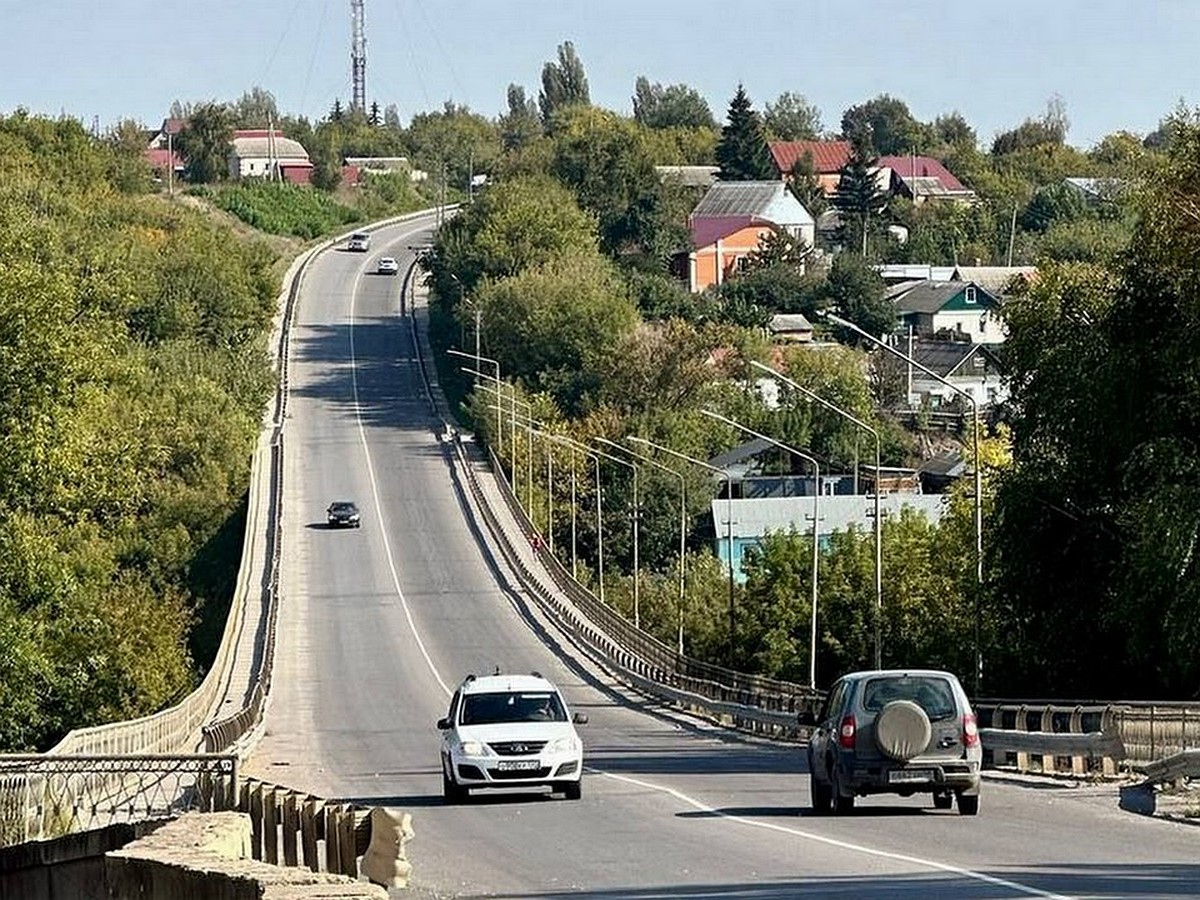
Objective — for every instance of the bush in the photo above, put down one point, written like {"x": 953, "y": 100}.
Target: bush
{"x": 287, "y": 209}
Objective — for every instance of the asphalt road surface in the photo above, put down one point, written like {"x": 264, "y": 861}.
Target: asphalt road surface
{"x": 377, "y": 625}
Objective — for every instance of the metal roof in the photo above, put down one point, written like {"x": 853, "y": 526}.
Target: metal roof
{"x": 928, "y": 297}
{"x": 946, "y": 357}
{"x": 789, "y": 322}
{"x": 279, "y": 147}
{"x": 828, "y": 157}
{"x": 741, "y": 452}
{"x": 767, "y": 200}
{"x": 688, "y": 176}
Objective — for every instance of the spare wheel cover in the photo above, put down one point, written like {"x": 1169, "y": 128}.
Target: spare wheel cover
{"x": 902, "y": 730}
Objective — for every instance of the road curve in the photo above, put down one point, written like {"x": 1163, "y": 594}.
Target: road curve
{"x": 378, "y": 624}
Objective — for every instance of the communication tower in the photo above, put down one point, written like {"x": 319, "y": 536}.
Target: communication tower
{"x": 358, "y": 58}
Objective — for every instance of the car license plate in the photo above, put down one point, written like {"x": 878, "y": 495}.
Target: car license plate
{"x": 900, "y": 776}
{"x": 518, "y": 765}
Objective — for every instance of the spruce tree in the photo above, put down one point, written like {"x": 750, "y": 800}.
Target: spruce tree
{"x": 859, "y": 199}
{"x": 742, "y": 151}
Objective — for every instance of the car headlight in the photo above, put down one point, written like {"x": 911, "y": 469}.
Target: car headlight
{"x": 473, "y": 748}
{"x": 563, "y": 745}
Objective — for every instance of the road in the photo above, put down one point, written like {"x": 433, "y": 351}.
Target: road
{"x": 378, "y": 624}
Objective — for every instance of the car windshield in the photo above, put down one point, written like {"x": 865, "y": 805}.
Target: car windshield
{"x": 934, "y": 695}
{"x": 512, "y": 706}
{"x": 343, "y": 507}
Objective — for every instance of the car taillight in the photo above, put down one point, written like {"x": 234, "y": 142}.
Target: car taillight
{"x": 846, "y": 732}
{"x": 970, "y": 731}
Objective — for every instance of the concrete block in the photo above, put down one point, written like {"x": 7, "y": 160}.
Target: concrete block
{"x": 1138, "y": 798}
{"x": 385, "y": 861}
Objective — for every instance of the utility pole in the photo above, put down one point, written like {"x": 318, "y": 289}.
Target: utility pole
{"x": 358, "y": 57}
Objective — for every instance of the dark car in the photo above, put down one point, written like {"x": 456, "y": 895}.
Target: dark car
{"x": 895, "y": 731}
{"x": 343, "y": 514}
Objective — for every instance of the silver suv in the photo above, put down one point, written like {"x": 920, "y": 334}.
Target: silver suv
{"x": 897, "y": 731}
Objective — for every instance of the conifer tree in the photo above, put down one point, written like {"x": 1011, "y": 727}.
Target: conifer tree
{"x": 859, "y": 199}
{"x": 742, "y": 151}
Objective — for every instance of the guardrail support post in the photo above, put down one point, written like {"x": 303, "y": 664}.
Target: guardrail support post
{"x": 255, "y": 808}
{"x": 308, "y": 833}
{"x": 1022, "y": 724}
{"x": 1049, "y": 766}
{"x": 291, "y": 825}
{"x": 333, "y": 856}
{"x": 270, "y": 826}
{"x": 1078, "y": 763}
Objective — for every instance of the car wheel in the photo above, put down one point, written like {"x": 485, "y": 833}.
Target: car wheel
{"x": 942, "y": 800}
{"x": 822, "y": 795}
{"x": 452, "y": 793}
{"x": 843, "y": 803}
{"x": 968, "y": 804}
{"x": 573, "y": 790}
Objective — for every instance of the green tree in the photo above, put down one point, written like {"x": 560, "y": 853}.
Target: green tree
{"x": 673, "y": 106}
{"x": 204, "y": 143}
{"x": 454, "y": 140}
{"x": 742, "y": 151}
{"x": 775, "y": 612}
{"x": 554, "y": 325}
{"x": 564, "y": 83}
{"x": 855, "y": 288}
{"x": 792, "y": 118}
{"x": 806, "y": 188}
{"x": 860, "y": 201}
{"x": 520, "y": 124}
{"x": 129, "y": 171}
{"x": 891, "y": 128}
{"x": 1050, "y": 128}
{"x": 254, "y": 109}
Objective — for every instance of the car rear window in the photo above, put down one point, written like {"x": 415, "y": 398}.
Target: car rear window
{"x": 512, "y": 706}
{"x": 934, "y": 695}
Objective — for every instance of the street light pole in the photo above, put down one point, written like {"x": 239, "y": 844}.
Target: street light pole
{"x": 637, "y": 609}
{"x": 728, "y": 524}
{"x": 477, "y": 373}
{"x": 878, "y": 518}
{"x": 812, "y": 644}
{"x": 682, "y": 526}
{"x": 978, "y": 474}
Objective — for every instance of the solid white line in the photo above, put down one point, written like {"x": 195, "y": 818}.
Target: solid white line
{"x": 834, "y": 842}
{"x": 678, "y": 795}
{"x": 362, "y": 436}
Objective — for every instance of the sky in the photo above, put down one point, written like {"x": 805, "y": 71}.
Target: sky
{"x": 1117, "y": 64}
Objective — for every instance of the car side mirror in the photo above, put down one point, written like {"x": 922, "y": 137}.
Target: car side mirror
{"x": 443, "y": 724}
{"x": 580, "y": 718}
{"x": 807, "y": 718}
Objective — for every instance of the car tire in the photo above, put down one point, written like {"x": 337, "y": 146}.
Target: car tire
{"x": 968, "y": 804}
{"x": 573, "y": 790}
{"x": 902, "y": 730}
{"x": 943, "y": 800}
{"x": 452, "y": 793}
{"x": 822, "y": 795}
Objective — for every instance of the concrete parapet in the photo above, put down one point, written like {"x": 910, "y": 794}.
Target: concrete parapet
{"x": 385, "y": 861}
{"x": 205, "y": 856}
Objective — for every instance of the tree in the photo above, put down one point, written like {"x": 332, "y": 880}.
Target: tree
{"x": 742, "y": 151}
{"x": 806, "y": 187}
{"x": 520, "y": 124}
{"x": 374, "y": 116}
{"x": 891, "y": 128}
{"x": 391, "y": 117}
{"x": 855, "y": 288}
{"x": 337, "y": 113}
{"x": 1051, "y": 128}
{"x": 674, "y": 106}
{"x": 453, "y": 140}
{"x": 255, "y": 109}
{"x": 129, "y": 171}
{"x": 564, "y": 83}
{"x": 860, "y": 201}
{"x": 792, "y": 118}
{"x": 952, "y": 130}
{"x": 204, "y": 143}
{"x": 604, "y": 160}
{"x": 555, "y": 325}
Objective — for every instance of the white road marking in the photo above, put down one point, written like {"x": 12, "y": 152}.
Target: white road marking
{"x": 678, "y": 795}
{"x": 834, "y": 842}
{"x": 362, "y": 436}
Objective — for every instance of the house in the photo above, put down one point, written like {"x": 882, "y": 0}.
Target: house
{"x": 922, "y": 178}
{"x": 962, "y": 308}
{"x": 972, "y": 368}
{"x": 790, "y": 327}
{"x": 354, "y": 167}
{"x": 160, "y": 151}
{"x": 996, "y": 280}
{"x": 730, "y": 222}
{"x": 265, "y": 153}
{"x": 827, "y": 159}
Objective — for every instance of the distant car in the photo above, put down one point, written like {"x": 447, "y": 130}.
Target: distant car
{"x": 387, "y": 266}
{"x": 343, "y": 514}
{"x": 359, "y": 242}
{"x": 895, "y": 731}
{"x": 510, "y": 731}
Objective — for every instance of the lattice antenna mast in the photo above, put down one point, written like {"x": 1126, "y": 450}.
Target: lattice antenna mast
{"x": 358, "y": 58}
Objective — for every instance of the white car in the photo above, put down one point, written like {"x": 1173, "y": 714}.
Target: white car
{"x": 359, "y": 242}
{"x": 510, "y": 731}
{"x": 387, "y": 266}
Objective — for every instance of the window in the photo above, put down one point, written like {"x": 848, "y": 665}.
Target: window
{"x": 977, "y": 361}
{"x": 522, "y": 706}
{"x": 970, "y": 293}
